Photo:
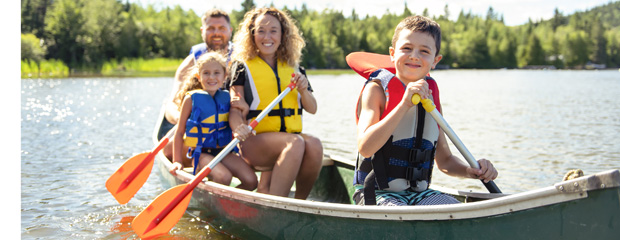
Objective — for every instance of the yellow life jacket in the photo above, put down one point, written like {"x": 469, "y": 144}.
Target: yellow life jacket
{"x": 265, "y": 85}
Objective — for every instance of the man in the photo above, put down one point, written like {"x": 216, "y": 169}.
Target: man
{"x": 216, "y": 32}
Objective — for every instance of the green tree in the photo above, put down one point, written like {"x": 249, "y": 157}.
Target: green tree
{"x": 534, "y": 54}
{"x": 65, "y": 28}
{"x": 83, "y": 34}
{"x": 557, "y": 19}
{"x": 128, "y": 44}
{"x": 556, "y": 53}
{"x": 446, "y": 13}
{"x": 33, "y": 16}
{"x": 472, "y": 51}
{"x": 178, "y": 31}
{"x": 406, "y": 12}
{"x": 613, "y": 51}
{"x": 237, "y": 16}
{"x": 576, "y": 49}
{"x": 491, "y": 15}
{"x": 507, "y": 49}
{"x": 247, "y": 5}
{"x": 101, "y": 31}
{"x": 599, "y": 48}
{"x": 363, "y": 45}
{"x": 501, "y": 46}
{"x": 31, "y": 48}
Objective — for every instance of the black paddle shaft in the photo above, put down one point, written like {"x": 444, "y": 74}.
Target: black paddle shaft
{"x": 491, "y": 187}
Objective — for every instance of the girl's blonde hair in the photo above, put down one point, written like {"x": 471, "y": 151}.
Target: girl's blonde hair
{"x": 192, "y": 82}
{"x": 291, "y": 43}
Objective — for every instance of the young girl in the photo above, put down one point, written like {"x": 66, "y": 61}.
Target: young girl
{"x": 203, "y": 125}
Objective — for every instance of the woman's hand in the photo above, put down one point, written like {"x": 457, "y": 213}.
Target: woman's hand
{"x": 487, "y": 171}
{"x": 243, "y": 132}
{"x": 301, "y": 81}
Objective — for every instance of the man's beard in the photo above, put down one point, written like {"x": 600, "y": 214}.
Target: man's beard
{"x": 218, "y": 47}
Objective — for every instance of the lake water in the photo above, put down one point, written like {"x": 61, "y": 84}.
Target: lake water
{"x": 533, "y": 125}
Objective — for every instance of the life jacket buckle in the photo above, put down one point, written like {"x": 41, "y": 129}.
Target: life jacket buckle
{"x": 288, "y": 112}
{"x": 410, "y": 173}
{"x": 417, "y": 156}
{"x": 189, "y": 153}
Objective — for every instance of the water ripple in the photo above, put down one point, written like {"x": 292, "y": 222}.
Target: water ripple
{"x": 76, "y": 132}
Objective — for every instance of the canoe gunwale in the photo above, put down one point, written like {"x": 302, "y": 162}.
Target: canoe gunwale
{"x": 497, "y": 206}
{"x": 606, "y": 179}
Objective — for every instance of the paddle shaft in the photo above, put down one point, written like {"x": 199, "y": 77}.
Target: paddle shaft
{"x": 429, "y": 106}
{"x": 136, "y": 171}
{"x": 205, "y": 171}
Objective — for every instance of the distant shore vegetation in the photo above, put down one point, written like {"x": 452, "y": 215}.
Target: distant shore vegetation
{"x": 115, "y": 38}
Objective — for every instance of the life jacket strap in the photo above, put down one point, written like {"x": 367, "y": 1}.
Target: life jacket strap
{"x": 380, "y": 164}
{"x": 198, "y": 149}
{"x": 276, "y": 112}
{"x": 379, "y": 169}
{"x": 369, "y": 189}
{"x": 415, "y": 158}
{"x": 196, "y": 157}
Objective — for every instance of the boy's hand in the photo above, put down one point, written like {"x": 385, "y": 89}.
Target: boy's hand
{"x": 487, "y": 171}
{"x": 420, "y": 87}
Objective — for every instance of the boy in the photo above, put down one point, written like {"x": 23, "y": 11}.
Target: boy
{"x": 397, "y": 141}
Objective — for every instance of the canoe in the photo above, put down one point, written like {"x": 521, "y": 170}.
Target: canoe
{"x": 583, "y": 208}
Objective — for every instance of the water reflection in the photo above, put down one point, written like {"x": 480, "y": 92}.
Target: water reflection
{"x": 534, "y": 125}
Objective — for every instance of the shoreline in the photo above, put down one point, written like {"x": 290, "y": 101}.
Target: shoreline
{"x": 133, "y": 74}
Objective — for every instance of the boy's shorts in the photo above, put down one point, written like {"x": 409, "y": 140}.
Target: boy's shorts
{"x": 407, "y": 198}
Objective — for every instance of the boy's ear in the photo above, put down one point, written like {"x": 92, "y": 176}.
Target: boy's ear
{"x": 437, "y": 59}
{"x": 392, "y": 54}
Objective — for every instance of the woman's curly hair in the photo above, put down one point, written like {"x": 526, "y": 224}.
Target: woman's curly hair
{"x": 291, "y": 43}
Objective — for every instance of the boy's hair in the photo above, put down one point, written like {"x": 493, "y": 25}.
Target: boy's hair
{"x": 419, "y": 24}
{"x": 214, "y": 13}
{"x": 291, "y": 43}
{"x": 192, "y": 82}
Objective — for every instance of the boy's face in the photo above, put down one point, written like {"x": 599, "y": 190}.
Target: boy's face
{"x": 414, "y": 55}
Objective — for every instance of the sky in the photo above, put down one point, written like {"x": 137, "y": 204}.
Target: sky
{"x": 515, "y": 12}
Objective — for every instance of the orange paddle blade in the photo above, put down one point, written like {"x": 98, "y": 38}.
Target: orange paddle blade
{"x": 153, "y": 221}
{"x": 130, "y": 177}
{"x": 365, "y": 63}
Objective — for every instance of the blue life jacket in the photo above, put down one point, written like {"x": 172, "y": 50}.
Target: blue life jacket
{"x": 207, "y": 125}
{"x": 201, "y": 48}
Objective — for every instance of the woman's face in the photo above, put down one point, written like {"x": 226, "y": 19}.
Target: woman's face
{"x": 267, "y": 35}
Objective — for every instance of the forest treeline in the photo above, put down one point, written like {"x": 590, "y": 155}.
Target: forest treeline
{"x": 85, "y": 34}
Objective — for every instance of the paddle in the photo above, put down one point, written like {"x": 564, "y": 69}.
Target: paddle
{"x": 129, "y": 178}
{"x": 166, "y": 210}
{"x": 429, "y": 106}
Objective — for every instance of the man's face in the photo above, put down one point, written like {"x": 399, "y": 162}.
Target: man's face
{"x": 216, "y": 33}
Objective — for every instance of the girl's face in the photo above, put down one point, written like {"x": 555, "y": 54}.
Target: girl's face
{"x": 212, "y": 76}
{"x": 267, "y": 35}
